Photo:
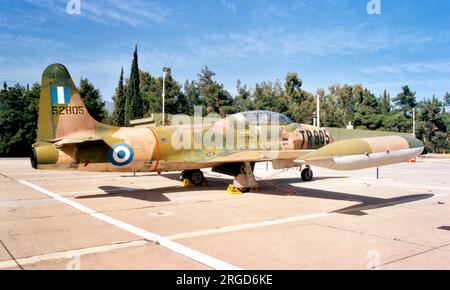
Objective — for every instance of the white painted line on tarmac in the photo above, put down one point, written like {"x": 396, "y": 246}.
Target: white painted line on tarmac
{"x": 74, "y": 177}
{"x": 70, "y": 254}
{"x": 173, "y": 246}
{"x": 440, "y": 195}
{"x": 248, "y": 226}
{"x": 24, "y": 172}
{"x": 241, "y": 227}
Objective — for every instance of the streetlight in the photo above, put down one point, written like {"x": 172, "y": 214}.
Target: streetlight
{"x": 318, "y": 111}
{"x": 166, "y": 71}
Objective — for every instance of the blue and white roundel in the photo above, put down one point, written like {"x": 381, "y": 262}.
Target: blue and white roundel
{"x": 121, "y": 154}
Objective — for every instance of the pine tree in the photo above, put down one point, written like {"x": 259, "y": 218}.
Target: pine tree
{"x": 366, "y": 112}
{"x": 406, "y": 100}
{"x": 93, "y": 100}
{"x": 134, "y": 103}
{"x": 434, "y": 135}
{"x": 213, "y": 94}
{"x": 18, "y": 119}
{"x": 446, "y": 102}
{"x": 118, "y": 116}
{"x": 243, "y": 100}
{"x": 192, "y": 94}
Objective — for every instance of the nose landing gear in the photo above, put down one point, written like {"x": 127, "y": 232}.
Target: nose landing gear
{"x": 307, "y": 174}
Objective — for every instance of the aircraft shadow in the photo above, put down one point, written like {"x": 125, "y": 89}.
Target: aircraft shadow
{"x": 365, "y": 202}
{"x": 176, "y": 176}
{"x": 277, "y": 187}
{"x": 156, "y": 194}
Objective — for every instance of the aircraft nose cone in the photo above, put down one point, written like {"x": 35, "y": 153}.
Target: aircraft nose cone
{"x": 420, "y": 143}
{"x": 414, "y": 142}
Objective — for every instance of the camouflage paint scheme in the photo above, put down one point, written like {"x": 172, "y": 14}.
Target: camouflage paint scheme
{"x": 69, "y": 138}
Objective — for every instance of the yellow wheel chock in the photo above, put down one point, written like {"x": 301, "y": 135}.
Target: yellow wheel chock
{"x": 233, "y": 190}
{"x": 186, "y": 183}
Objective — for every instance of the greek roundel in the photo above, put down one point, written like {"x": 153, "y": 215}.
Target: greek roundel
{"x": 121, "y": 154}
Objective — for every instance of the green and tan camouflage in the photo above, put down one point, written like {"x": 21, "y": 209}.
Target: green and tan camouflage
{"x": 68, "y": 138}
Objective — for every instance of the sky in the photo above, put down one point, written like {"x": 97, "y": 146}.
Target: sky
{"x": 325, "y": 41}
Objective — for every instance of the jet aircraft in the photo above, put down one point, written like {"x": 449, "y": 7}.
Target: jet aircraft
{"x": 68, "y": 138}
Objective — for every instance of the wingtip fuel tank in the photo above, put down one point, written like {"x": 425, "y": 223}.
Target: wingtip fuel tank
{"x": 360, "y": 153}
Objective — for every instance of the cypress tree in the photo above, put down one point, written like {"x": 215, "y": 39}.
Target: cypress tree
{"x": 134, "y": 104}
{"x": 119, "y": 103}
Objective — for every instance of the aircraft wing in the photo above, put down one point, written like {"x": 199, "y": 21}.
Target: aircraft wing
{"x": 256, "y": 156}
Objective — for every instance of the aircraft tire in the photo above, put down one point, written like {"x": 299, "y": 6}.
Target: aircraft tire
{"x": 307, "y": 174}
{"x": 197, "y": 178}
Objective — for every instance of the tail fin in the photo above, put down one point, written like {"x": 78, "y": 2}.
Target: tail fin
{"x": 61, "y": 109}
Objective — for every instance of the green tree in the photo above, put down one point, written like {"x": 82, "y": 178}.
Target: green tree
{"x": 151, "y": 92}
{"x": 18, "y": 119}
{"x": 366, "y": 116}
{"x": 384, "y": 103}
{"x": 345, "y": 101}
{"x": 406, "y": 100}
{"x": 244, "y": 100}
{"x": 302, "y": 109}
{"x": 447, "y": 99}
{"x": 446, "y": 102}
{"x": 358, "y": 94}
{"x": 264, "y": 96}
{"x": 192, "y": 95}
{"x": 435, "y": 135}
{"x": 213, "y": 94}
{"x": 173, "y": 94}
{"x": 93, "y": 100}
{"x": 181, "y": 105}
{"x": 118, "y": 115}
{"x": 134, "y": 105}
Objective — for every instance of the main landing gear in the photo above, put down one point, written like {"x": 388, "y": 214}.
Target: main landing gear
{"x": 194, "y": 177}
{"x": 307, "y": 174}
{"x": 244, "y": 181}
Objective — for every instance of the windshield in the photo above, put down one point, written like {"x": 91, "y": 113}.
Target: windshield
{"x": 262, "y": 118}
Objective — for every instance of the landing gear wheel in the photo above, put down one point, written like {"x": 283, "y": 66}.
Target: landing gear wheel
{"x": 196, "y": 177}
{"x": 307, "y": 174}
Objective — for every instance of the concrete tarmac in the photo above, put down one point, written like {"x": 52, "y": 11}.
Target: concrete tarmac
{"x": 340, "y": 220}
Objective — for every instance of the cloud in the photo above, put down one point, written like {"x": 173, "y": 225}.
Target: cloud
{"x": 133, "y": 13}
{"x": 130, "y": 12}
{"x": 8, "y": 24}
{"x": 14, "y": 41}
{"x": 275, "y": 42}
{"x": 230, "y": 5}
{"x": 270, "y": 9}
{"x": 440, "y": 66}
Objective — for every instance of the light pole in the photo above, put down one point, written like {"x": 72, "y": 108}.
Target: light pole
{"x": 166, "y": 71}
{"x": 318, "y": 111}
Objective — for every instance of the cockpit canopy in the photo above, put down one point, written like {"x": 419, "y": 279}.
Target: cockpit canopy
{"x": 259, "y": 117}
